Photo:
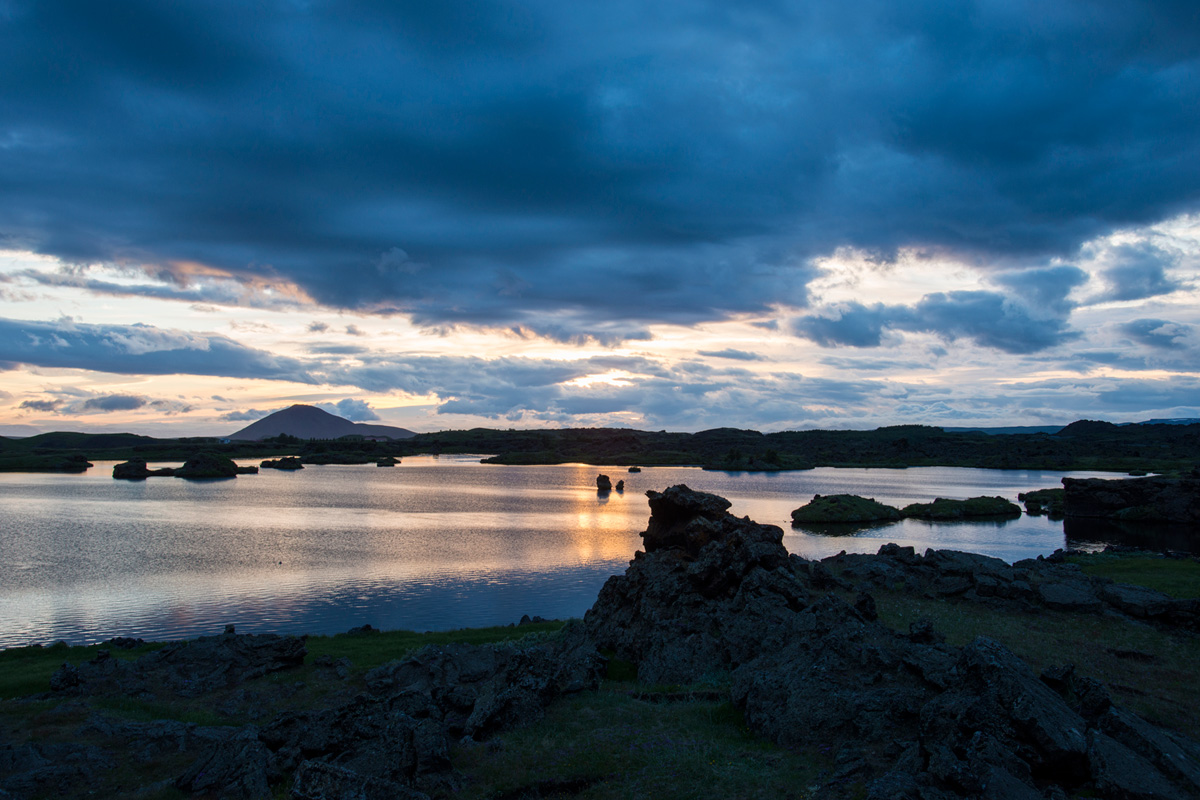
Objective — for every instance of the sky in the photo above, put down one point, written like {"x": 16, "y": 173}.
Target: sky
{"x": 678, "y": 215}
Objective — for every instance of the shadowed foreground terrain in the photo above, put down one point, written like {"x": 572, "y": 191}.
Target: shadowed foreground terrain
{"x": 718, "y": 665}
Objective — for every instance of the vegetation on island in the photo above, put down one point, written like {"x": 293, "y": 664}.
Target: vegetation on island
{"x": 849, "y": 508}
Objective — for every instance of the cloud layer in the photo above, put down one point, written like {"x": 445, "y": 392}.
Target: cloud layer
{"x": 588, "y": 170}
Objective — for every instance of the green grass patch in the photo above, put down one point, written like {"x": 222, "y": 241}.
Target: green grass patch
{"x": 368, "y": 650}
{"x": 27, "y": 670}
{"x": 607, "y": 744}
{"x": 1150, "y": 671}
{"x": 136, "y": 710}
{"x": 1178, "y": 577}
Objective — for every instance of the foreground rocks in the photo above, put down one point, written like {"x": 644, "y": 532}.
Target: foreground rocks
{"x": 713, "y": 600}
{"x": 906, "y": 715}
{"x": 392, "y": 741}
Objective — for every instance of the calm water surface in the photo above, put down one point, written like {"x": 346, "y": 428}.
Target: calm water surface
{"x": 432, "y": 544}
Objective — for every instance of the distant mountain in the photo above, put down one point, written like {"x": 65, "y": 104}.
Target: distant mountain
{"x": 310, "y": 422}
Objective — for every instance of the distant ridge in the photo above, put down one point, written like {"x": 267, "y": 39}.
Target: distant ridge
{"x": 310, "y": 422}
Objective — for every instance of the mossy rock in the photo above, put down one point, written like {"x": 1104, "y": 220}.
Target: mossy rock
{"x": 209, "y": 465}
{"x": 963, "y": 509}
{"x": 285, "y": 463}
{"x": 843, "y": 508}
{"x": 1044, "y": 501}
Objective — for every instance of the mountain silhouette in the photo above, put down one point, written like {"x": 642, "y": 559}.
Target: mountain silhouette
{"x": 310, "y": 422}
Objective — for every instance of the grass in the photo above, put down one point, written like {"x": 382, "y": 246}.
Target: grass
{"x": 1150, "y": 671}
{"x": 27, "y": 670}
{"x": 368, "y": 650}
{"x": 608, "y": 744}
{"x": 1178, "y": 577}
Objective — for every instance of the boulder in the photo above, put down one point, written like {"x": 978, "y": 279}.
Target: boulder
{"x": 132, "y": 470}
{"x": 603, "y": 483}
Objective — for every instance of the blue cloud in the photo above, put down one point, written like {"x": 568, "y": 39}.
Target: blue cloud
{"x": 140, "y": 350}
{"x": 1140, "y": 272}
{"x": 1158, "y": 333}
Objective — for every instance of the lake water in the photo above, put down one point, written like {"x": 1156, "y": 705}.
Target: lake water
{"x": 435, "y": 543}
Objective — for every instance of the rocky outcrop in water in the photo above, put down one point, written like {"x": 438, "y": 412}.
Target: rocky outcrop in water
{"x": 943, "y": 509}
{"x": 839, "y": 508}
{"x": 199, "y": 466}
{"x": 603, "y": 483}
{"x": 285, "y": 463}
{"x": 1155, "y": 499}
{"x": 1043, "y": 501}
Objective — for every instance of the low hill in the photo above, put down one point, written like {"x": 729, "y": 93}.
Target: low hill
{"x": 310, "y": 422}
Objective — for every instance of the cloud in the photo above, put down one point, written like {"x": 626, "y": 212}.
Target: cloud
{"x": 46, "y": 406}
{"x": 552, "y": 167}
{"x": 354, "y": 330}
{"x": 317, "y": 327}
{"x": 248, "y": 415}
{"x": 738, "y": 355}
{"x": 114, "y": 402}
{"x": 140, "y": 349}
{"x": 1158, "y": 333}
{"x": 352, "y": 409}
{"x": 1139, "y": 272}
{"x": 990, "y": 319}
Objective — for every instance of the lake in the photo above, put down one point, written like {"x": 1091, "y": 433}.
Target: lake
{"x": 435, "y": 543}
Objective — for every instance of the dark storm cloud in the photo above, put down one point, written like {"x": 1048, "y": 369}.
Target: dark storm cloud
{"x": 139, "y": 350}
{"x": 550, "y": 165}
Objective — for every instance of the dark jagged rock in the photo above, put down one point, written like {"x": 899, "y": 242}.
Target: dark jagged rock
{"x": 843, "y": 508}
{"x": 285, "y": 463}
{"x": 603, "y": 483}
{"x": 188, "y": 668}
{"x": 1043, "y": 501}
{"x": 136, "y": 469}
{"x": 943, "y": 509}
{"x": 1155, "y": 499}
{"x": 620, "y": 486}
{"x": 635, "y": 469}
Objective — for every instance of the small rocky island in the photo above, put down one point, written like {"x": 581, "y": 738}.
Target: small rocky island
{"x": 286, "y": 463}
{"x": 201, "y": 466}
{"x": 848, "y": 508}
